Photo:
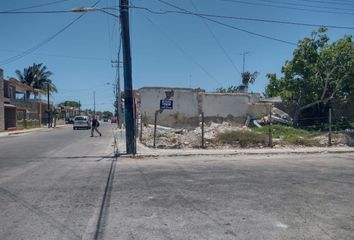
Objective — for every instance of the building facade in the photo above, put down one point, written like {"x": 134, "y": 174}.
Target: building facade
{"x": 17, "y": 109}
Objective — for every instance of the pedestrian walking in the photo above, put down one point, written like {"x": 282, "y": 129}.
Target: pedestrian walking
{"x": 94, "y": 127}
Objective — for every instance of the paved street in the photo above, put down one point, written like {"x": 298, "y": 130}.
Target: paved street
{"x": 62, "y": 184}
{"x": 239, "y": 197}
{"x": 50, "y": 182}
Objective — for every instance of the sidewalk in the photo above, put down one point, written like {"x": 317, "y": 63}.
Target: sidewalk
{"x": 24, "y": 131}
{"x": 144, "y": 151}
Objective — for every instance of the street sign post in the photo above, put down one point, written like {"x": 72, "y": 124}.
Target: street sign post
{"x": 166, "y": 104}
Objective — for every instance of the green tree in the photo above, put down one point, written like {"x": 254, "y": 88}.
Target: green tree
{"x": 231, "y": 89}
{"x": 249, "y": 78}
{"x": 107, "y": 114}
{"x": 71, "y": 104}
{"x": 38, "y": 77}
{"x": 318, "y": 73}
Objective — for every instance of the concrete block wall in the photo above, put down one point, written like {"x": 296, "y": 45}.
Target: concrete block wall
{"x": 2, "y": 108}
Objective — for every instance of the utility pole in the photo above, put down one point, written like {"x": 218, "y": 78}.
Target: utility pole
{"x": 79, "y": 108}
{"x": 94, "y": 104}
{"x": 48, "y": 109}
{"x": 118, "y": 94}
{"x": 244, "y": 60}
{"x": 128, "y": 85}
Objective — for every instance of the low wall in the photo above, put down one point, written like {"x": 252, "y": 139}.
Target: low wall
{"x": 188, "y": 104}
{"x": 221, "y": 106}
{"x": 185, "y": 111}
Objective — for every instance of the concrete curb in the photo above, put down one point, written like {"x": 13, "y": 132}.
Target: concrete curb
{"x": 19, "y": 132}
{"x": 236, "y": 153}
{"x": 146, "y": 152}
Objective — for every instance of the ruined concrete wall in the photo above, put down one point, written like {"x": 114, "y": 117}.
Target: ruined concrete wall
{"x": 2, "y": 109}
{"x": 185, "y": 106}
{"x": 223, "y": 106}
{"x": 258, "y": 110}
{"x": 188, "y": 104}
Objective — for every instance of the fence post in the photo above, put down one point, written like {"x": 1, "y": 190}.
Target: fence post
{"x": 155, "y": 127}
{"x": 203, "y": 142}
{"x": 270, "y": 143}
{"x": 141, "y": 127}
{"x": 330, "y": 127}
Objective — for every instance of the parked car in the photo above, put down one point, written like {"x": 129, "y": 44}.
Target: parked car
{"x": 69, "y": 120}
{"x": 81, "y": 122}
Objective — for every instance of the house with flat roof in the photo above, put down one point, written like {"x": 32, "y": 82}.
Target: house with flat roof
{"x": 17, "y": 109}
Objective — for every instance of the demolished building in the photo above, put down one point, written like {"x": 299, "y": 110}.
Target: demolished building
{"x": 186, "y": 105}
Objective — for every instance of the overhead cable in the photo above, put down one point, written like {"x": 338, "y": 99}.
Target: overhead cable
{"x": 230, "y": 26}
{"x": 285, "y": 7}
{"x": 217, "y": 41}
{"x": 241, "y": 18}
{"x": 305, "y": 5}
{"x": 37, "y": 6}
{"x": 183, "y": 51}
{"x": 39, "y": 45}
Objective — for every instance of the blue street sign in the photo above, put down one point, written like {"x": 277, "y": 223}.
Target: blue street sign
{"x": 166, "y": 104}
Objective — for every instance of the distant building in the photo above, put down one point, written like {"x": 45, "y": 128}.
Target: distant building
{"x": 17, "y": 110}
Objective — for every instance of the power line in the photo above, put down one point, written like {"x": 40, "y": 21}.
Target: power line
{"x": 36, "y": 12}
{"x": 37, "y": 6}
{"x": 284, "y": 7}
{"x": 327, "y": 2}
{"x": 60, "y": 56}
{"x": 34, "y": 48}
{"x": 217, "y": 41}
{"x": 230, "y": 26}
{"x": 305, "y": 5}
{"x": 183, "y": 51}
{"x": 205, "y": 15}
{"x": 241, "y": 18}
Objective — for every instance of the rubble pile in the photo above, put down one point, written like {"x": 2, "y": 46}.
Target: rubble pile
{"x": 184, "y": 138}
{"x": 171, "y": 138}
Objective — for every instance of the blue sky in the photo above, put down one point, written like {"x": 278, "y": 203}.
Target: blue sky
{"x": 172, "y": 50}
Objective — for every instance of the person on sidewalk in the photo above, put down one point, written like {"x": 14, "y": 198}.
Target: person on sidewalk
{"x": 95, "y": 125}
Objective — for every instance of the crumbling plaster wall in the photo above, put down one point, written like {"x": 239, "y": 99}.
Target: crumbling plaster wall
{"x": 188, "y": 104}
{"x": 220, "y": 106}
{"x": 185, "y": 110}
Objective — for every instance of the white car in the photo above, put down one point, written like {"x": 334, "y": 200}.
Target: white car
{"x": 81, "y": 122}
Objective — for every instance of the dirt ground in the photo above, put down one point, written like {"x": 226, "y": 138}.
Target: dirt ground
{"x": 170, "y": 138}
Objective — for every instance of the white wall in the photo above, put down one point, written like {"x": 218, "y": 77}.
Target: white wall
{"x": 190, "y": 103}
{"x": 224, "y": 105}
{"x": 185, "y": 106}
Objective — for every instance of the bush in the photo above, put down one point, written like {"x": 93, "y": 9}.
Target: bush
{"x": 242, "y": 138}
{"x": 290, "y": 135}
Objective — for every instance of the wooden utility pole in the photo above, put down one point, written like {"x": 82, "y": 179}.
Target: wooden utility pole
{"x": 48, "y": 109}
{"x": 128, "y": 85}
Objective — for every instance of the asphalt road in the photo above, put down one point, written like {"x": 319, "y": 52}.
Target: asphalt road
{"x": 62, "y": 184}
{"x": 51, "y": 181}
{"x": 239, "y": 197}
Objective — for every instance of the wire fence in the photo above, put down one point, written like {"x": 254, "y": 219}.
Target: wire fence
{"x": 330, "y": 128}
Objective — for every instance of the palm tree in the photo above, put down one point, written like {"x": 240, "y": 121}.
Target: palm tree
{"x": 38, "y": 77}
{"x": 248, "y": 78}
